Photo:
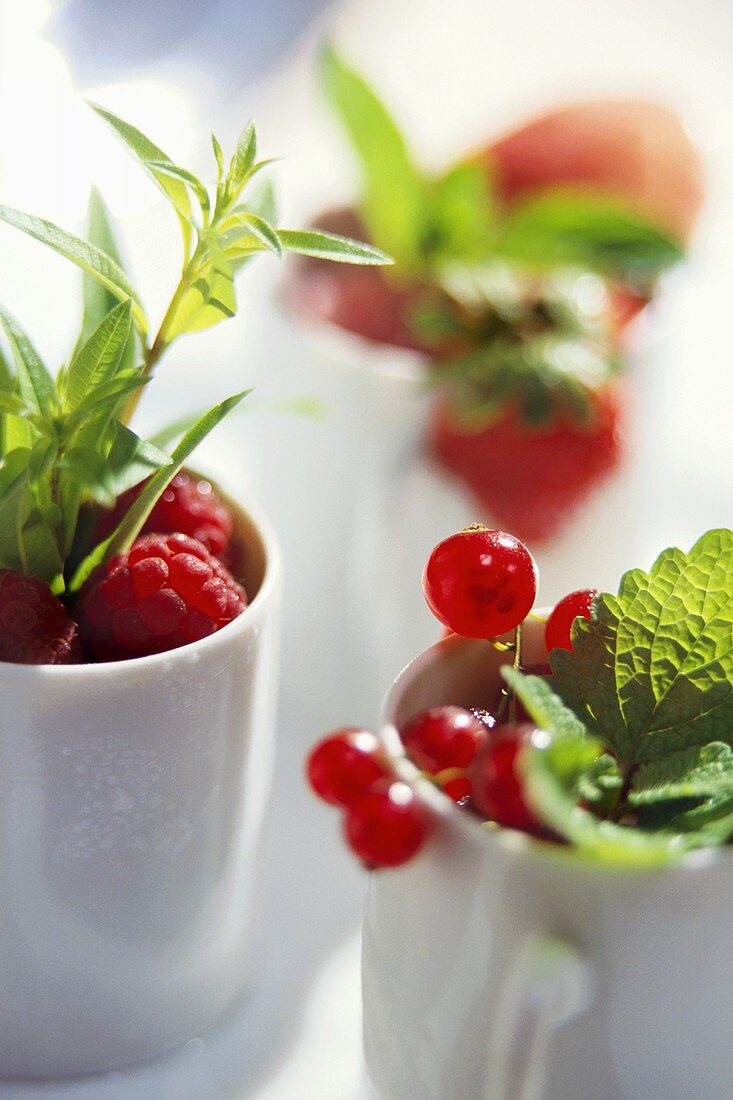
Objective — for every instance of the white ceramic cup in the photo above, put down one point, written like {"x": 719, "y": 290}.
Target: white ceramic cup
{"x": 499, "y": 968}
{"x": 131, "y": 799}
{"x": 359, "y": 505}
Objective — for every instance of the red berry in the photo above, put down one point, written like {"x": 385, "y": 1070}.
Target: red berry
{"x": 484, "y": 716}
{"x": 480, "y": 583}
{"x": 444, "y": 737}
{"x": 531, "y": 479}
{"x": 387, "y": 826}
{"x": 189, "y": 506}
{"x": 564, "y": 614}
{"x": 496, "y": 785}
{"x": 344, "y": 765}
{"x": 35, "y": 628}
{"x": 166, "y": 591}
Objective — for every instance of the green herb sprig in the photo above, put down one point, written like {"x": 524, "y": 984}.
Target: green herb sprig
{"x": 65, "y": 442}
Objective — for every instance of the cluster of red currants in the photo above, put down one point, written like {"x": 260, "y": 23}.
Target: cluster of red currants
{"x": 480, "y": 584}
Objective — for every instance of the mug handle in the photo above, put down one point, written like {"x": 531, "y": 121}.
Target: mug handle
{"x": 549, "y": 982}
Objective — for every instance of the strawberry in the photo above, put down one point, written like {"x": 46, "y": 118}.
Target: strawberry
{"x": 530, "y": 480}
{"x": 635, "y": 150}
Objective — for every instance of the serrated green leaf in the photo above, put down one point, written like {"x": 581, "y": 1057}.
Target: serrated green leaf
{"x": 395, "y": 204}
{"x": 98, "y": 359}
{"x": 125, "y": 533}
{"x": 565, "y": 227}
{"x": 552, "y": 771}
{"x": 86, "y": 256}
{"x": 147, "y": 153}
{"x": 331, "y": 246}
{"x": 245, "y": 155}
{"x": 651, "y": 673}
{"x": 542, "y": 703}
{"x": 701, "y": 772}
{"x": 35, "y": 384}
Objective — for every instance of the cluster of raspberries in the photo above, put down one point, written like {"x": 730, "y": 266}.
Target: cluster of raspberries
{"x": 172, "y": 587}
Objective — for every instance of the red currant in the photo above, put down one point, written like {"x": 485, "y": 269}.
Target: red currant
{"x": 564, "y": 614}
{"x": 496, "y": 786}
{"x": 484, "y": 716}
{"x": 387, "y": 826}
{"x": 480, "y": 583}
{"x": 442, "y": 738}
{"x": 344, "y": 765}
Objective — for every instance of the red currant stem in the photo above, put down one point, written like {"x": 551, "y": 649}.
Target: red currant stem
{"x": 516, "y": 664}
{"x": 503, "y": 647}
{"x": 537, "y": 618}
{"x": 447, "y": 775}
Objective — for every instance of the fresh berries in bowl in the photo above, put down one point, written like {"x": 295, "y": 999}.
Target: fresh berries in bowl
{"x": 601, "y": 726}
{"x": 78, "y": 484}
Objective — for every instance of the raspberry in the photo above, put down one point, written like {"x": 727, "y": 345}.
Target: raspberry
{"x": 35, "y": 628}
{"x": 166, "y": 591}
{"x": 189, "y": 506}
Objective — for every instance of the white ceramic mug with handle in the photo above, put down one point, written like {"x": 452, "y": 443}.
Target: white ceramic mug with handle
{"x": 500, "y": 968}
{"x": 131, "y": 802}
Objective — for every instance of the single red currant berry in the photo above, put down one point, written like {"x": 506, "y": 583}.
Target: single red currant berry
{"x": 480, "y": 583}
{"x": 564, "y": 614}
{"x": 442, "y": 737}
{"x": 344, "y": 765}
{"x": 496, "y": 785}
{"x": 387, "y": 826}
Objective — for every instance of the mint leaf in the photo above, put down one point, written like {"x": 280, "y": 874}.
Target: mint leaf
{"x": 331, "y": 246}
{"x": 130, "y": 526}
{"x": 542, "y": 703}
{"x": 565, "y": 227}
{"x": 553, "y": 770}
{"x": 86, "y": 256}
{"x": 151, "y": 157}
{"x": 98, "y": 358}
{"x": 651, "y": 673}
{"x": 395, "y": 196}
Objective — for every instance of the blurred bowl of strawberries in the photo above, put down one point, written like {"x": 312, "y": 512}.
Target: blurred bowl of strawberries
{"x": 492, "y": 372}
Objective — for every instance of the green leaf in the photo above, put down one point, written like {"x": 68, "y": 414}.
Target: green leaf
{"x": 544, "y": 706}
{"x": 331, "y": 246}
{"x": 651, "y": 673}
{"x": 148, "y": 155}
{"x": 395, "y": 195}
{"x": 131, "y": 459}
{"x": 210, "y": 299}
{"x": 245, "y": 155}
{"x": 99, "y": 357}
{"x": 700, "y": 772}
{"x": 564, "y": 227}
{"x": 170, "y": 432}
{"x": 174, "y": 171}
{"x": 218, "y": 154}
{"x": 258, "y": 228}
{"x": 128, "y": 529}
{"x": 86, "y": 256}
{"x": 261, "y": 201}
{"x": 35, "y": 384}
{"x": 552, "y": 771}
{"x": 463, "y": 222}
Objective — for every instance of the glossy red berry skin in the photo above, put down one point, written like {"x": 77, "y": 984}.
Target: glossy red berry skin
{"x": 564, "y": 614}
{"x": 345, "y": 765}
{"x": 480, "y": 583}
{"x": 189, "y": 506}
{"x": 165, "y": 592}
{"x": 496, "y": 783}
{"x": 35, "y": 627}
{"x": 441, "y": 738}
{"x": 387, "y": 826}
